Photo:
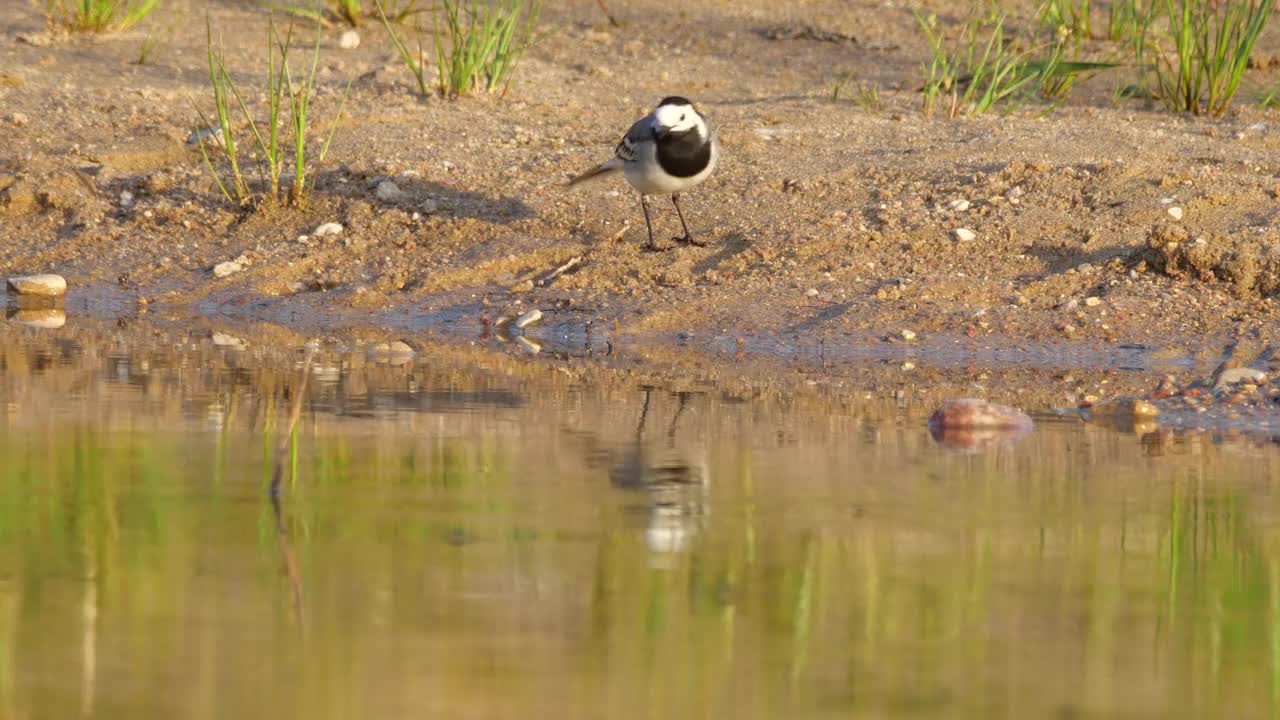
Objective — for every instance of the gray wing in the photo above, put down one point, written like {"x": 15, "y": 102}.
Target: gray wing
{"x": 640, "y": 132}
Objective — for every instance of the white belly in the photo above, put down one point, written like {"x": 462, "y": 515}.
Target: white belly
{"x": 646, "y": 175}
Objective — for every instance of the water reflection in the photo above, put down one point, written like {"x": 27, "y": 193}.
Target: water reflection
{"x": 483, "y": 537}
{"x": 674, "y": 476}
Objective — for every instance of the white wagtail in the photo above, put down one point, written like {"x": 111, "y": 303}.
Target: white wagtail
{"x": 666, "y": 152}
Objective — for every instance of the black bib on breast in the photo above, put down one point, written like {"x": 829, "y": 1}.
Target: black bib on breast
{"x": 684, "y": 154}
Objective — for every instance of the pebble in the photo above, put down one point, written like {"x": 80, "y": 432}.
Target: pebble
{"x": 908, "y": 335}
{"x": 1233, "y": 376}
{"x": 204, "y": 134}
{"x": 327, "y": 229}
{"x": 349, "y": 40}
{"x": 228, "y": 268}
{"x": 529, "y": 318}
{"x": 126, "y": 198}
{"x": 47, "y": 285}
{"x": 523, "y": 286}
{"x": 959, "y": 205}
{"x": 18, "y": 119}
{"x": 965, "y": 234}
{"x": 226, "y": 340}
{"x": 811, "y": 292}
{"x": 1175, "y": 212}
{"x": 1092, "y": 301}
{"x": 388, "y": 191}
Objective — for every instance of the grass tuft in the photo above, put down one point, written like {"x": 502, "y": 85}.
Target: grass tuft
{"x": 864, "y": 95}
{"x": 418, "y": 66}
{"x": 977, "y": 73}
{"x": 1193, "y": 53}
{"x": 288, "y": 110}
{"x": 352, "y": 12}
{"x": 97, "y": 15}
{"x": 479, "y": 43}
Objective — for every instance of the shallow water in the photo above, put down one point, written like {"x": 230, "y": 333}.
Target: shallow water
{"x": 510, "y": 540}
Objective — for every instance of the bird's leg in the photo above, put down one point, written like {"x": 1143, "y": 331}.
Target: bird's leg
{"x": 688, "y": 236}
{"x": 651, "y": 245}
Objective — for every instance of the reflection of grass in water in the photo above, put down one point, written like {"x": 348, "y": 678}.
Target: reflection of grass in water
{"x": 899, "y": 610}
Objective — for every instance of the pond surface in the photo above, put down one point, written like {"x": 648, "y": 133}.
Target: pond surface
{"x": 514, "y": 541}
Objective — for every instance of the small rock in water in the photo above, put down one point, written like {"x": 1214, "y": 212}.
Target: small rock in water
{"x": 1234, "y": 376}
{"x": 226, "y": 340}
{"x": 1126, "y": 407}
{"x": 388, "y": 191}
{"x": 396, "y": 352}
{"x": 975, "y": 412}
{"x": 908, "y": 335}
{"x": 47, "y": 285}
{"x": 965, "y": 234}
{"x": 959, "y": 205}
{"x": 1175, "y": 212}
{"x": 971, "y": 424}
{"x": 529, "y": 318}
{"x": 327, "y": 229}
{"x": 349, "y": 40}
{"x": 1092, "y": 301}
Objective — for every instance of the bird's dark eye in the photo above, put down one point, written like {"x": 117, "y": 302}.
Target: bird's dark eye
{"x": 681, "y": 117}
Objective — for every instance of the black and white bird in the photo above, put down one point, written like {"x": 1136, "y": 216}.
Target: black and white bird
{"x": 667, "y": 152}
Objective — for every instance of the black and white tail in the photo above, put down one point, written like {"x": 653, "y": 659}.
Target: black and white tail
{"x": 604, "y": 168}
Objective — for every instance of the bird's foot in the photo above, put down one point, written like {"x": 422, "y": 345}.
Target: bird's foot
{"x": 690, "y": 239}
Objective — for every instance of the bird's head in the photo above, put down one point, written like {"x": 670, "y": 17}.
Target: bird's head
{"x": 677, "y": 116}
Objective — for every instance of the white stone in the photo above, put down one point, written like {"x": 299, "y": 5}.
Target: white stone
{"x": 1233, "y": 376}
{"x": 126, "y": 198}
{"x": 959, "y": 205}
{"x": 47, "y": 285}
{"x": 529, "y": 318}
{"x": 1092, "y": 301}
{"x": 1175, "y": 212}
{"x": 811, "y": 292}
{"x": 327, "y": 229}
{"x": 908, "y": 335}
{"x": 965, "y": 234}
{"x": 225, "y": 269}
{"x": 349, "y": 40}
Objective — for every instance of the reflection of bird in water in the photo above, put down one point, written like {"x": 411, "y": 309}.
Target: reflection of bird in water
{"x": 674, "y": 476}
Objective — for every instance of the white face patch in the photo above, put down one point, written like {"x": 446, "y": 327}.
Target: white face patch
{"x": 677, "y": 118}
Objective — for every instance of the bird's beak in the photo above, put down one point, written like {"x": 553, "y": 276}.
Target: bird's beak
{"x": 659, "y": 132}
